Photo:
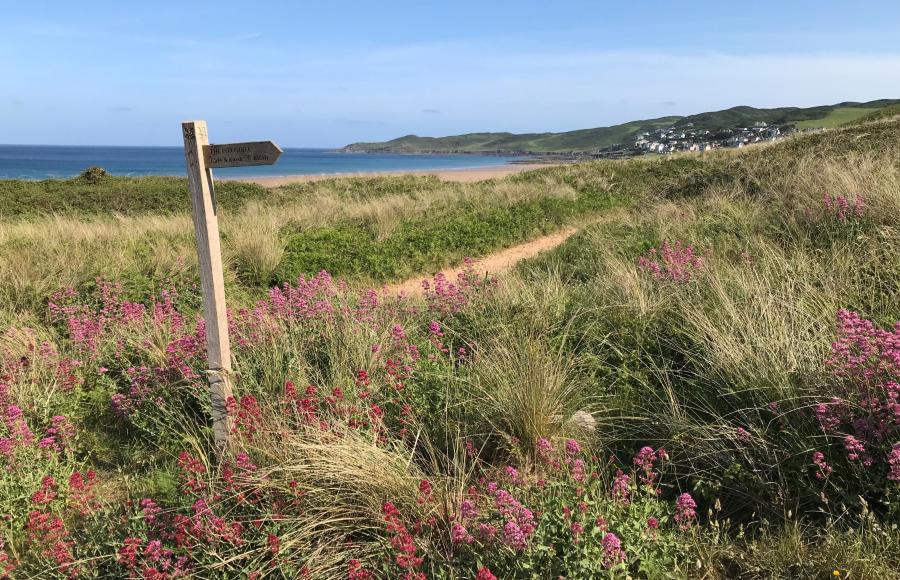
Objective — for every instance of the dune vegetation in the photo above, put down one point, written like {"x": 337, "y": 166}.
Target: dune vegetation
{"x": 704, "y": 383}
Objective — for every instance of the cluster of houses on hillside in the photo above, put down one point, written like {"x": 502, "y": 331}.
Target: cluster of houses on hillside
{"x": 688, "y": 138}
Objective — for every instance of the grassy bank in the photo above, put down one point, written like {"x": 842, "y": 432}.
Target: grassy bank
{"x": 702, "y": 385}
{"x": 373, "y": 229}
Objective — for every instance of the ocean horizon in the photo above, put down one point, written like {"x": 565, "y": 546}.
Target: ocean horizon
{"x": 64, "y": 161}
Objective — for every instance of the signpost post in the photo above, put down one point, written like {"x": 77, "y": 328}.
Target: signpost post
{"x": 201, "y": 158}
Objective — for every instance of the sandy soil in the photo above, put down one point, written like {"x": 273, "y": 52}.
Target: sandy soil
{"x": 492, "y": 264}
{"x": 462, "y": 175}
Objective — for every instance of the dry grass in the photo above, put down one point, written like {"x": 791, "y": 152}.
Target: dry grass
{"x": 523, "y": 391}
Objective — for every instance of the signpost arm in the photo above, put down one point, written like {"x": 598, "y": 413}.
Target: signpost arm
{"x": 206, "y": 228}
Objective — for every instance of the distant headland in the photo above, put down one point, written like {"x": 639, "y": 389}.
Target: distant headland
{"x": 734, "y": 127}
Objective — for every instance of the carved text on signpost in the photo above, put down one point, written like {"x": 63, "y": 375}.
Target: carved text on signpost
{"x": 241, "y": 154}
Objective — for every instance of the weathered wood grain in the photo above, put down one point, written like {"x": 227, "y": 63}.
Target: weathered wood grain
{"x": 206, "y": 228}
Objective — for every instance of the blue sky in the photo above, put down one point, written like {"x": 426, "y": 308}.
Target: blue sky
{"x": 332, "y": 72}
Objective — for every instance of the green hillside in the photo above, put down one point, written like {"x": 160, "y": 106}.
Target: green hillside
{"x": 602, "y": 137}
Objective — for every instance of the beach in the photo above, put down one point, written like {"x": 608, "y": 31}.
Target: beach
{"x": 463, "y": 175}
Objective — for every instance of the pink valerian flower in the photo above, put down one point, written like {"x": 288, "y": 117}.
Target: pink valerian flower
{"x": 150, "y": 510}
{"x": 273, "y": 543}
{"x": 742, "y": 435}
{"x": 601, "y": 523}
{"x": 577, "y": 529}
{"x": 645, "y": 461}
{"x": 46, "y": 493}
{"x": 7, "y": 564}
{"x": 672, "y": 262}
{"x": 16, "y": 425}
{"x": 685, "y": 510}
{"x": 865, "y": 360}
{"x": 520, "y": 524}
{"x": 60, "y": 435}
{"x": 484, "y": 573}
{"x": 572, "y": 447}
{"x": 864, "y": 351}
{"x": 652, "y": 527}
{"x": 856, "y": 451}
{"x": 246, "y": 415}
{"x": 444, "y": 296}
{"x": 402, "y": 540}
{"x": 513, "y": 536}
{"x": 467, "y": 509}
{"x": 613, "y": 554}
{"x": 356, "y": 571}
{"x": 460, "y": 535}
{"x": 645, "y": 458}
{"x": 545, "y": 453}
{"x": 512, "y": 474}
{"x": 192, "y": 470}
{"x": 425, "y": 491}
{"x": 621, "y": 491}
{"x": 47, "y": 534}
{"x": 81, "y": 491}
{"x": 823, "y": 469}
{"x": 893, "y": 460}
{"x": 242, "y": 462}
{"x": 839, "y": 206}
{"x": 578, "y": 473}
{"x": 486, "y": 531}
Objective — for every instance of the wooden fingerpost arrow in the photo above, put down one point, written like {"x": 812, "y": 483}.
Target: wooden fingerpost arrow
{"x": 201, "y": 157}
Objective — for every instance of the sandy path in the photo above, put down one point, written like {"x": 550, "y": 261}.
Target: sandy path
{"x": 493, "y": 264}
{"x": 461, "y": 175}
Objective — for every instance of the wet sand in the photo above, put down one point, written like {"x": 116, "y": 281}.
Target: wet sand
{"x": 461, "y": 175}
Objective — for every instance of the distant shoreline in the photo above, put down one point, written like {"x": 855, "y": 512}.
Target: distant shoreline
{"x": 462, "y": 175}
{"x": 65, "y": 162}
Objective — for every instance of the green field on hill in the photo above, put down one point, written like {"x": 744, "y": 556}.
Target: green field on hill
{"x": 837, "y": 117}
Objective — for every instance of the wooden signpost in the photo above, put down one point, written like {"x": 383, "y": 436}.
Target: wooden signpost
{"x": 201, "y": 158}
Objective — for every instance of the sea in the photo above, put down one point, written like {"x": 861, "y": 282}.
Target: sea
{"x": 58, "y": 162}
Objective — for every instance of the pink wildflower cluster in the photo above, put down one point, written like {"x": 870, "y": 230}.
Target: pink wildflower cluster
{"x": 356, "y": 571}
{"x": 447, "y": 297}
{"x": 143, "y": 558}
{"x": 47, "y": 535}
{"x": 307, "y": 299}
{"x": 245, "y": 414}
{"x": 95, "y": 331}
{"x": 503, "y": 517}
{"x": 613, "y": 553}
{"x": 673, "y": 262}
{"x": 645, "y": 461}
{"x": 404, "y": 543}
{"x": 685, "y": 510}
{"x": 484, "y": 573}
{"x": 7, "y": 563}
{"x": 840, "y": 207}
{"x": 823, "y": 470}
{"x": 894, "y": 463}
{"x": 865, "y": 360}
{"x": 17, "y": 440}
